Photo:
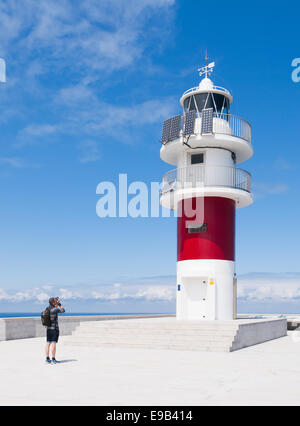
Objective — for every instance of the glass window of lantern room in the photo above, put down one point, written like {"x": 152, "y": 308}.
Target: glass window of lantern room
{"x": 220, "y": 103}
{"x": 189, "y": 104}
{"x": 203, "y": 101}
{"x": 192, "y": 104}
{"x": 186, "y": 104}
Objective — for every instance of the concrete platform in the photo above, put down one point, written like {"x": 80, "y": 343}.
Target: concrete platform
{"x": 266, "y": 374}
{"x": 293, "y": 320}
{"x": 168, "y": 333}
{"x": 25, "y": 328}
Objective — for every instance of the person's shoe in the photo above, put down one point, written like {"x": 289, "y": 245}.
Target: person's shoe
{"x": 54, "y": 361}
{"x": 48, "y": 361}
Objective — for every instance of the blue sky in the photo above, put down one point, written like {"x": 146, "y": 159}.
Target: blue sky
{"x": 88, "y": 87}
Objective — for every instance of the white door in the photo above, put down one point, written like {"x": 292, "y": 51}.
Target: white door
{"x": 196, "y": 298}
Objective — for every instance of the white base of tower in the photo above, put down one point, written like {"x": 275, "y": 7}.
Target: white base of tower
{"x": 205, "y": 290}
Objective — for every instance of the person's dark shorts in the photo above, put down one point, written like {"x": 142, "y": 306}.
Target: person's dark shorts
{"x": 52, "y": 336}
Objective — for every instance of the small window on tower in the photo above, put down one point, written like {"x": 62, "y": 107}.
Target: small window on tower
{"x": 195, "y": 229}
{"x": 197, "y": 158}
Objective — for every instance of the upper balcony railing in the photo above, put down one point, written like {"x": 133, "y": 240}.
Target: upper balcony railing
{"x": 201, "y": 176}
{"x": 196, "y": 89}
{"x": 232, "y": 125}
{"x": 220, "y": 123}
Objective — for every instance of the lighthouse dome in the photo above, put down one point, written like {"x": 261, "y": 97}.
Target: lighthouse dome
{"x": 206, "y": 83}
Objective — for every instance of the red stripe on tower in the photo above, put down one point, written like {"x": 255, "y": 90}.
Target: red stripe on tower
{"x": 217, "y": 239}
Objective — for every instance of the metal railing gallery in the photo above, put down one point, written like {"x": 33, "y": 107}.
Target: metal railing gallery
{"x": 206, "y": 176}
{"x": 232, "y": 125}
{"x": 225, "y": 124}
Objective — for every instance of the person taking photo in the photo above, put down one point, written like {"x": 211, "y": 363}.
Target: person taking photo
{"x": 55, "y": 307}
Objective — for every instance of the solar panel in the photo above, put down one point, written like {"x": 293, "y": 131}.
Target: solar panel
{"x": 189, "y": 123}
{"x": 166, "y": 131}
{"x": 175, "y": 127}
{"x": 207, "y": 121}
{"x": 171, "y": 129}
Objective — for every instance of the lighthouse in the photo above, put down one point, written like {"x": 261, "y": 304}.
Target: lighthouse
{"x": 206, "y": 144}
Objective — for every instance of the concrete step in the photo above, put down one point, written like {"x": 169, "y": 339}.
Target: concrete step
{"x": 134, "y": 332}
{"x": 150, "y": 338}
{"x": 153, "y": 336}
{"x": 196, "y": 336}
{"x": 157, "y": 322}
{"x": 222, "y": 336}
{"x": 153, "y": 341}
{"x": 180, "y": 347}
{"x": 162, "y": 327}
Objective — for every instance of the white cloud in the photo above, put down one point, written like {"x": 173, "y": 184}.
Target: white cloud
{"x": 34, "y": 133}
{"x": 12, "y": 161}
{"x": 102, "y": 35}
{"x": 17, "y": 162}
{"x": 153, "y": 289}
{"x": 282, "y": 164}
{"x": 106, "y": 296}
{"x": 157, "y": 293}
{"x": 80, "y": 105}
{"x": 263, "y": 189}
{"x": 89, "y": 151}
{"x": 34, "y": 294}
{"x": 270, "y": 287}
{"x": 77, "y": 95}
{"x": 147, "y": 112}
{"x": 47, "y": 287}
{"x": 254, "y": 290}
{"x": 81, "y": 112}
{"x": 3, "y": 294}
{"x": 89, "y": 40}
{"x": 65, "y": 293}
{"x": 38, "y": 130}
{"x": 42, "y": 297}
{"x": 117, "y": 285}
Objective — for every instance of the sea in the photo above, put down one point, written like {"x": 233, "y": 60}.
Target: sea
{"x": 69, "y": 314}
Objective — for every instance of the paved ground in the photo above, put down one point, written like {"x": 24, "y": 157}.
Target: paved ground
{"x": 264, "y": 374}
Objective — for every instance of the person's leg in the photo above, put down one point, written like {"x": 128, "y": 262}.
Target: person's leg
{"x": 47, "y": 349}
{"x": 48, "y": 340}
{"x": 53, "y": 349}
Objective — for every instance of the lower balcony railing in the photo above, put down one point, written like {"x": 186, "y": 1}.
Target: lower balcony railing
{"x": 206, "y": 176}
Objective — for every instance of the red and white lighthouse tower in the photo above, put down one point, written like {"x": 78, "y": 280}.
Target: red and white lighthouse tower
{"x": 205, "y": 144}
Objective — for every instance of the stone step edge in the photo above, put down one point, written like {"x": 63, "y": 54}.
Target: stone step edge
{"x": 204, "y": 348}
